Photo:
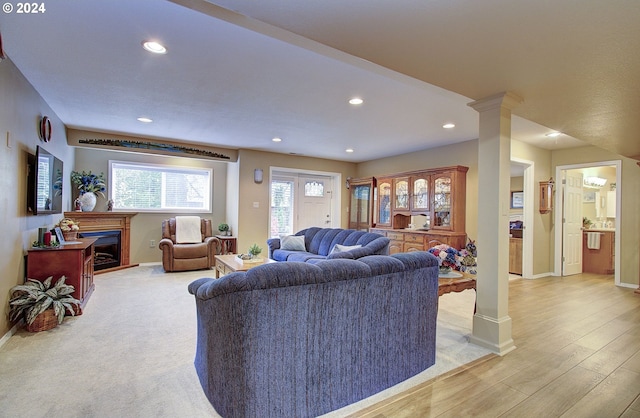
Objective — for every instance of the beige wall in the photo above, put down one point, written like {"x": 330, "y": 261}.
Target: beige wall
{"x": 20, "y": 111}
{"x": 629, "y": 189}
{"x": 147, "y": 226}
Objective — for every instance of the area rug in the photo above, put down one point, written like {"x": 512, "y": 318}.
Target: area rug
{"x": 131, "y": 353}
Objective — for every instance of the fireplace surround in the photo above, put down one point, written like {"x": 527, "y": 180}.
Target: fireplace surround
{"x": 108, "y": 226}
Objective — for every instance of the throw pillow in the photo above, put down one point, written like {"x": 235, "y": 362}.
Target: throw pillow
{"x": 339, "y": 248}
{"x": 292, "y": 243}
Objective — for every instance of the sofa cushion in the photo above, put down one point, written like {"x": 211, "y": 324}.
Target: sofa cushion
{"x": 190, "y": 250}
{"x": 303, "y": 256}
{"x": 292, "y": 243}
{"x": 339, "y": 248}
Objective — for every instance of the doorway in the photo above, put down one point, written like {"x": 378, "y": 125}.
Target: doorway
{"x": 589, "y": 202}
{"x": 525, "y": 169}
{"x": 302, "y": 199}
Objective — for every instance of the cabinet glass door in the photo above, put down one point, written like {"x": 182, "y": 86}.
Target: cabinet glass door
{"x": 442, "y": 202}
{"x": 401, "y": 192}
{"x": 384, "y": 203}
{"x": 360, "y": 208}
{"x": 420, "y": 200}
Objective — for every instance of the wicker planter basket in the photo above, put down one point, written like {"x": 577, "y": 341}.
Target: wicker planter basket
{"x": 46, "y": 320}
{"x": 70, "y": 235}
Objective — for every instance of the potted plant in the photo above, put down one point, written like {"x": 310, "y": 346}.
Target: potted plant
{"x": 42, "y": 305}
{"x": 88, "y": 185}
{"x": 224, "y": 229}
{"x": 255, "y": 251}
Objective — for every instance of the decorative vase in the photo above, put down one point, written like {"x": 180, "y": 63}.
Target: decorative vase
{"x": 88, "y": 201}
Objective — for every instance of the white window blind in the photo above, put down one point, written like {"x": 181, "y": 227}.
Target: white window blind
{"x": 281, "y": 207}
{"x": 152, "y": 187}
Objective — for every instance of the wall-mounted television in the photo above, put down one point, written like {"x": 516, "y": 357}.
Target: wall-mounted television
{"x": 44, "y": 183}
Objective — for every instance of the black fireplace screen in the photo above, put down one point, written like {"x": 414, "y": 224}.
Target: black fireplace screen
{"x": 107, "y": 248}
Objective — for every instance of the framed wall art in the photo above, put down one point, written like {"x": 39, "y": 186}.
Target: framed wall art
{"x": 517, "y": 200}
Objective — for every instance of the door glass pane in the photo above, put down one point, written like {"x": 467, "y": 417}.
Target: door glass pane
{"x": 385, "y": 203}
{"x": 314, "y": 189}
{"x": 420, "y": 194}
{"x": 402, "y": 194}
{"x": 442, "y": 201}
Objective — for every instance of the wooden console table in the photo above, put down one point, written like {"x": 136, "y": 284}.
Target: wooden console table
{"x": 456, "y": 284}
{"x": 75, "y": 261}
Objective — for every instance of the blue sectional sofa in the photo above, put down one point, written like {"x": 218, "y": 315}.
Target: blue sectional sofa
{"x": 320, "y": 243}
{"x": 303, "y": 339}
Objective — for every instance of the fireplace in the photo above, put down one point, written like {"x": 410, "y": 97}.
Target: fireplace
{"x": 107, "y": 248}
{"x": 93, "y": 224}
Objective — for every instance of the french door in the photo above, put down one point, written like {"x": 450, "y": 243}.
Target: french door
{"x": 300, "y": 201}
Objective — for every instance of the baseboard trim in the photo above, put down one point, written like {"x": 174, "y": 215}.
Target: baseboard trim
{"x": 9, "y": 333}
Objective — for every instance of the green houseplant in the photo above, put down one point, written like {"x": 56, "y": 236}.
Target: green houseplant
{"x": 223, "y": 228}
{"x": 41, "y": 304}
{"x": 255, "y": 251}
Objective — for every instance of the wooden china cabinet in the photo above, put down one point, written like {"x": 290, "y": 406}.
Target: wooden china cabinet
{"x": 420, "y": 209}
{"x": 361, "y": 203}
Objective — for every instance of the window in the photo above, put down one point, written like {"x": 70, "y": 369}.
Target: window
{"x": 313, "y": 189}
{"x": 281, "y": 207}
{"x": 160, "y": 188}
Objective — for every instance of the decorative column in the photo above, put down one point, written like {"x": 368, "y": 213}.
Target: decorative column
{"x": 491, "y": 322}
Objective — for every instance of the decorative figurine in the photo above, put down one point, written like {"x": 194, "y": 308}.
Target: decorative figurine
{"x": 78, "y": 204}
{"x": 109, "y": 205}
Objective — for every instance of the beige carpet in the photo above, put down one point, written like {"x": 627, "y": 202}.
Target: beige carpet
{"x": 131, "y": 353}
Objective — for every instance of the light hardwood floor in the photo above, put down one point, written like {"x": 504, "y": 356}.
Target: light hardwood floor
{"x": 577, "y": 355}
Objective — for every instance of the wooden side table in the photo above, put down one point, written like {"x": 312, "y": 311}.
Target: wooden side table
{"x": 229, "y": 244}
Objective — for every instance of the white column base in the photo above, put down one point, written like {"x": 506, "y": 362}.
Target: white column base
{"x": 487, "y": 330}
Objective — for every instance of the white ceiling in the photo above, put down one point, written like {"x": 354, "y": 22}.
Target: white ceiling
{"x": 233, "y": 81}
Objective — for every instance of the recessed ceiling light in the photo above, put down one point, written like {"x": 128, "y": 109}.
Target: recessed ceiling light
{"x": 448, "y": 126}
{"x": 145, "y": 120}
{"x": 554, "y": 134}
{"x": 356, "y": 101}
{"x": 155, "y": 47}
{"x": 349, "y": 150}
{"x": 276, "y": 139}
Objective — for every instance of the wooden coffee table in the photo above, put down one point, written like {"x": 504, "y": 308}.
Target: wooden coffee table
{"x": 229, "y": 263}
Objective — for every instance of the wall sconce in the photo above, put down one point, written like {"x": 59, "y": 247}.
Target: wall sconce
{"x": 257, "y": 175}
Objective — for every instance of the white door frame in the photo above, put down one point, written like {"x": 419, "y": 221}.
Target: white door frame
{"x": 336, "y": 181}
{"x": 528, "y": 211}
{"x": 558, "y": 213}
